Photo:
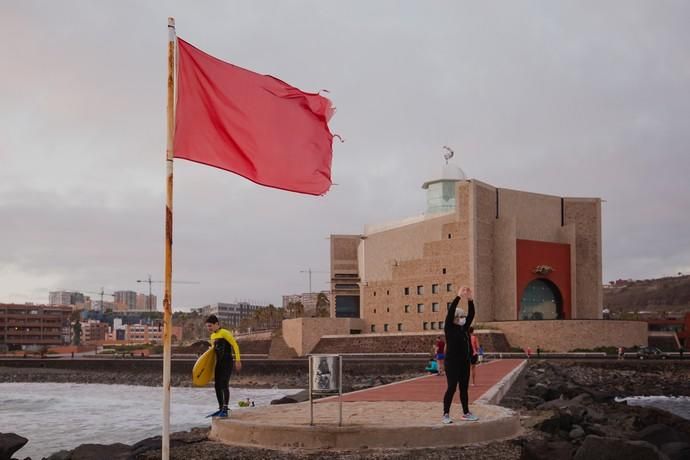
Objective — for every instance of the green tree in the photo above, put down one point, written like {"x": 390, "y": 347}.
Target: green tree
{"x": 76, "y": 329}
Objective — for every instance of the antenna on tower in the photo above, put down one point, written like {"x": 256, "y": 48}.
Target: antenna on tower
{"x": 448, "y": 154}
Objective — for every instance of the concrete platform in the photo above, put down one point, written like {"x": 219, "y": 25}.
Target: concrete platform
{"x": 400, "y": 415}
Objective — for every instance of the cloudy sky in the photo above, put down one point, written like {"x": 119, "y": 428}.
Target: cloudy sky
{"x": 568, "y": 98}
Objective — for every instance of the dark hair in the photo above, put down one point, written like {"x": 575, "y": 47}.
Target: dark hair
{"x": 213, "y": 319}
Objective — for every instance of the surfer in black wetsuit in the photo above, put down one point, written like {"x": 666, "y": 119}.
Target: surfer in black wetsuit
{"x": 225, "y": 346}
{"x": 458, "y": 355}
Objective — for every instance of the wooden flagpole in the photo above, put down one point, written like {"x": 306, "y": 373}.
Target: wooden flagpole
{"x": 167, "y": 297}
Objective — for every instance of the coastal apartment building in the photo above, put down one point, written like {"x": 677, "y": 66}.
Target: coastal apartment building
{"x": 527, "y": 256}
{"x": 93, "y": 331}
{"x": 146, "y": 302}
{"x": 230, "y": 315}
{"x": 29, "y": 325}
{"x": 66, "y": 298}
{"x": 126, "y": 300}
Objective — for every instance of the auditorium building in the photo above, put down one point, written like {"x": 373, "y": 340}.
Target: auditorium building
{"x": 533, "y": 261}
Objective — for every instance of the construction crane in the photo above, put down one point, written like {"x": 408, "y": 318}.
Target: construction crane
{"x": 150, "y": 281}
{"x": 101, "y": 293}
{"x": 310, "y": 271}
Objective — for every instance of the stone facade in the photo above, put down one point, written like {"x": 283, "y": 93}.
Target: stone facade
{"x": 564, "y": 336}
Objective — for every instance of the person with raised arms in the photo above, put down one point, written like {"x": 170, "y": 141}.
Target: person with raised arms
{"x": 458, "y": 355}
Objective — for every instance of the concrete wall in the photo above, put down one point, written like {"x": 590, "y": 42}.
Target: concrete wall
{"x": 555, "y": 335}
{"x": 302, "y": 334}
{"x": 421, "y": 342}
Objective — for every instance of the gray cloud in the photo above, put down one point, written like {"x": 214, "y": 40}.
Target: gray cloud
{"x": 565, "y": 98}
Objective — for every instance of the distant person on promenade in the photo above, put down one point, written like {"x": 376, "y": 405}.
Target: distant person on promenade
{"x": 458, "y": 355}
{"x": 481, "y": 353}
{"x": 224, "y": 345}
{"x": 620, "y": 352}
{"x": 680, "y": 351}
{"x": 528, "y": 352}
{"x": 475, "y": 356}
{"x": 432, "y": 366}
{"x": 440, "y": 353}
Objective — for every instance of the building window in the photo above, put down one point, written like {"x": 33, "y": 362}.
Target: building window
{"x": 434, "y": 288}
{"x": 426, "y": 326}
{"x": 407, "y": 291}
{"x": 400, "y": 326}
{"x": 420, "y": 308}
{"x": 385, "y": 328}
{"x": 444, "y": 271}
{"x": 440, "y": 324}
{"x": 434, "y": 306}
{"x": 449, "y": 287}
{"x": 374, "y": 310}
{"x": 388, "y": 310}
{"x": 433, "y": 325}
{"x": 449, "y": 236}
{"x": 388, "y": 292}
{"x": 407, "y": 308}
{"x": 420, "y": 290}
{"x": 373, "y": 328}
{"x": 374, "y": 293}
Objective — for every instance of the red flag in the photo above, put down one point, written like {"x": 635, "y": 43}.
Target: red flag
{"x": 253, "y": 125}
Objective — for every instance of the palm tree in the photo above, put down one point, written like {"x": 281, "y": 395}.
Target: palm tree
{"x": 323, "y": 306}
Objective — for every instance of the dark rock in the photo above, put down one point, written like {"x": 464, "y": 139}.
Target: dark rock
{"x": 660, "y": 434}
{"x": 145, "y": 445}
{"x": 542, "y": 450}
{"x": 576, "y": 432}
{"x": 558, "y": 422}
{"x": 532, "y": 401}
{"x": 676, "y": 450}
{"x": 598, "y": 448}
{"x": 540, "y": 390}
{"x": 9, "y": 444}
{"x": 60, "y": 455}
{"x": 192, "y": 436}
{"x": 116, "y": 451}
{"x": 283, "y": 400}
{"x": 594, "y": 415}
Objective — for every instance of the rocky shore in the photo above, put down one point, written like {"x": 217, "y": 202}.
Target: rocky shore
{"x": 568, "y": 410}
{"x": 572, "y": 411}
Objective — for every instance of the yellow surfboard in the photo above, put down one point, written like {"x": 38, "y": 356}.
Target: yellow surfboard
{"x": 204, "y": 368}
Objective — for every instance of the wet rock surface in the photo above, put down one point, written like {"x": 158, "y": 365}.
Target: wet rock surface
{"x": 572, "y": 405}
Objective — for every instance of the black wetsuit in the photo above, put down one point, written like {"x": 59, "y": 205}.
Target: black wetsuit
{"x": 458, "y": 356}
{"x": 223, "y": 370}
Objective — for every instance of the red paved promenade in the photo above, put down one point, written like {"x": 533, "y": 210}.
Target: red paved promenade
{"x": 432, "y": 387}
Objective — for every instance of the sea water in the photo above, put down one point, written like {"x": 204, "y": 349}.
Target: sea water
{"x": 57, "y": 416}
{"x": 678, "y": 405}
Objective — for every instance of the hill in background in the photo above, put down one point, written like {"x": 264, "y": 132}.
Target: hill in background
{"x": 669, "y": 295}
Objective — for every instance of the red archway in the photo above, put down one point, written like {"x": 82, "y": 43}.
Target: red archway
{"x": 544, "y": 260}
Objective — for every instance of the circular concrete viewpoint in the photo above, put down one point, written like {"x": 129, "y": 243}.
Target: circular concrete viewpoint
{"x": 366, "y": 425}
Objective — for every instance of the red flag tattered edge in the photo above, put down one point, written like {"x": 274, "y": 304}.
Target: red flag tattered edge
{"x": 256, "y": 126}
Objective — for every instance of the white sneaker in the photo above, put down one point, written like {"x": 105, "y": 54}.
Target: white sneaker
{"x": 446, "y": 419}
